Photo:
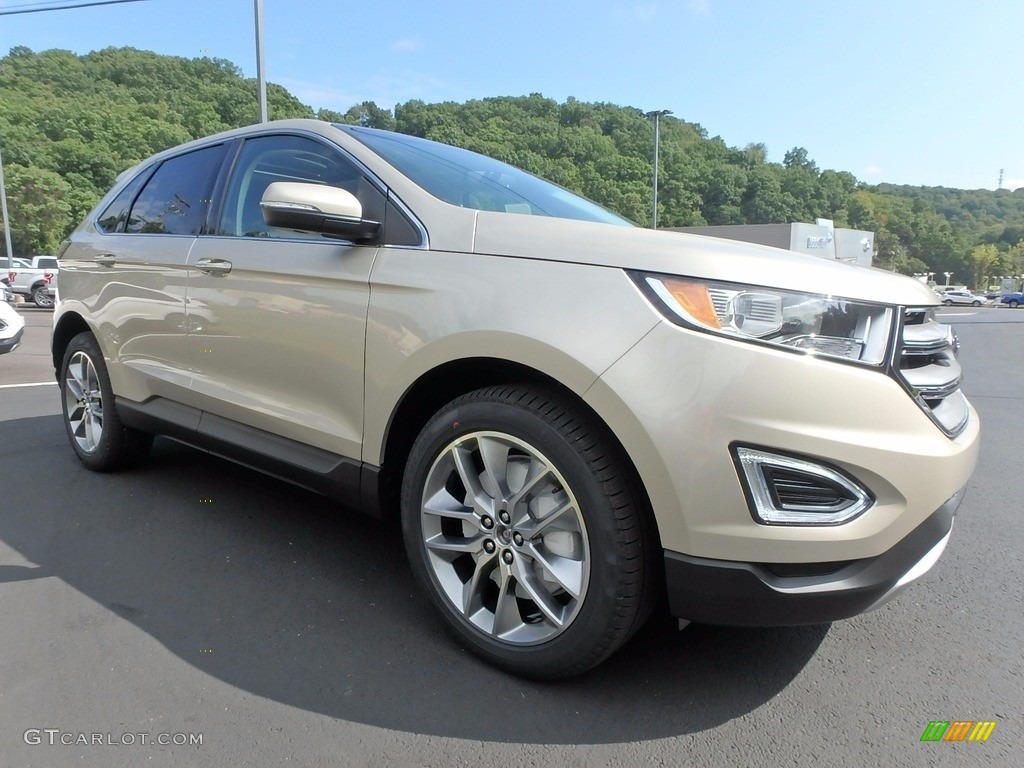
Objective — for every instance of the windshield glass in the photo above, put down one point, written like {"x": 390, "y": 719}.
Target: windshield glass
{"x": 471, "y": 180}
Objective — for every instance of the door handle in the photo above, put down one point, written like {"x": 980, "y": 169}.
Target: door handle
{"x": 106, "y": 259}
{"x": 213, "y": 266}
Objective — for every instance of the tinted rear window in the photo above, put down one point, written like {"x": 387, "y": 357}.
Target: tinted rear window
{"x": 176, "y": 199}
{"x": 115, "y": 215}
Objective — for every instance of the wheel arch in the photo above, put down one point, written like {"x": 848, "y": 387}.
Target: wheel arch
{"x": 69, "y": 325}
{"x": 445, "y": 382}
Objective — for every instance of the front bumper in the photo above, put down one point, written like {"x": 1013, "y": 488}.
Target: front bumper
{"x": 11, "y": 344}
{"x": 755, "y": 594}
{"x": 679, "y": 401}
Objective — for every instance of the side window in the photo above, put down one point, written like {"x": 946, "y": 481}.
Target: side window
{"x": 266, "y": 159}
{"x": 176, "y": 198}
{"x": 115, "y": 215}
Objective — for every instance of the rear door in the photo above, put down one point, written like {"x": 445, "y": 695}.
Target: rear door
{"x": 130, "y": 269}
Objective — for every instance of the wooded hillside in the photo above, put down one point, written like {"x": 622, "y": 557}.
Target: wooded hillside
{"x": 69, "y": 124}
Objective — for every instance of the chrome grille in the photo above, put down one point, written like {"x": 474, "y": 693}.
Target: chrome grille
{"x": 928, "y": 366}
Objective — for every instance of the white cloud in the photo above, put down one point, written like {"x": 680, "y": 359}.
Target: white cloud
{"x": 406, "y": 44}
{"x": 641, "y": 11}
{"x": 871, "y": 170}
{"x": 646, "y": 12}
{"x": 1013, "y": 184}
{"x": 699, "y": 7}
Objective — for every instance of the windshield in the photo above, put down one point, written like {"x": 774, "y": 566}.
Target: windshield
{"x": 471, "y": 180}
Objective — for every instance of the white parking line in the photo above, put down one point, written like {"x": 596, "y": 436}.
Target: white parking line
{"x": 958, "y": 314}
{"x": 36, "y": 384}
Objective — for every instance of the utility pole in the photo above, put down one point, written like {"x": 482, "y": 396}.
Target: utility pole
{"x": 1001, "y": 170}
{"x": 7, "y": 226}
{"x": 261, "y": 74}
{"x": 657, "y": 115}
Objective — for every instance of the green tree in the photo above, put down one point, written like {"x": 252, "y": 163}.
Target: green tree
{"x": 983, "y": 259}
{"x": 369, "y": 115}
{"x": 797, "y": 158}
{"x": 38, "y": 209}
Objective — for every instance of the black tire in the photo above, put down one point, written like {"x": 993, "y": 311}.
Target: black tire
{"x": 1014, "y": 304}
{"x": 41, "y": 298}
{"x": 115, "y": 446}
{"x": 617, "y": 544}
{"x": 975, "y": 303}
{"x": 947, "y": 303}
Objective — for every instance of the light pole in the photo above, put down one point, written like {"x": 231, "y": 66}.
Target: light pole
{"x": 948, "y": 275}
{"x": 657, "y": 115}
{"x": 261, "y": 75}
{"x": 3, "y": 209}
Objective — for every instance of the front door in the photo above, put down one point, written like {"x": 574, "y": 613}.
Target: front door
{"x": 277, "y": 318}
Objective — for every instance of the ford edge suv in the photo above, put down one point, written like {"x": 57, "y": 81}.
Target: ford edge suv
{"x": 572, "y": 417}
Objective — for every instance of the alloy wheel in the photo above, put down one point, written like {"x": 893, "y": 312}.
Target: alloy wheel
{"x": 84, "y": 401}
{"x": 42, "y": 299}
{"x": 505, "y": 538}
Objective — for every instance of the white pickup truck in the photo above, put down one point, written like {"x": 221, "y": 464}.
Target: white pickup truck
{"x": 35, "y": 278}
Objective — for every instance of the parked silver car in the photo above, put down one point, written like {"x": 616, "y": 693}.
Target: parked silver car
{"x": 571, "y": 416}
{"x": 966, "y": 298}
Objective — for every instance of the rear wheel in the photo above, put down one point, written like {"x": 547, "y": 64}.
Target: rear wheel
{"x": 527, "y": 533}
{"x": 947, "y": 303}
{"x": 97, "y": 436}
{"x": 41, "y": 297}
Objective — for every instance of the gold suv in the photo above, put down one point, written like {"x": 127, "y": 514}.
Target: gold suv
{"x": 571, "y": 416}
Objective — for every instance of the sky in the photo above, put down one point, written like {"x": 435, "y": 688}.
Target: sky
{"x": 918, "y": 92}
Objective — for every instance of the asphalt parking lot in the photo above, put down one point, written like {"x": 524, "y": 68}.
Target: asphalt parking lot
{"x": 194, "y": 597}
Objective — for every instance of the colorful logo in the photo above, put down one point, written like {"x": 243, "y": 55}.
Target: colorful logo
{"x": 958, "y": 730}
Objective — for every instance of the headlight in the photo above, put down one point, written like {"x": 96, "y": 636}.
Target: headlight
{"x": 802, "y": 322}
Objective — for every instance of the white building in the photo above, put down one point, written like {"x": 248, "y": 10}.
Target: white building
{"x": 854, "y": 246}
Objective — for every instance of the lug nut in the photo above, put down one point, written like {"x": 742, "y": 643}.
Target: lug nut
{"x": 487, "y": 522}
{"x": 503, "y": 516}
{"x": 507, "y": 556}
{"x": 489, "y": 546}
{"x": 517, "y": 537}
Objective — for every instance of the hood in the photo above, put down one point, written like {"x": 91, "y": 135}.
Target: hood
{"x": 676, "y": 253}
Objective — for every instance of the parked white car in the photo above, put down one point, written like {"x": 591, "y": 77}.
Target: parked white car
{"x": 12, "y": 325}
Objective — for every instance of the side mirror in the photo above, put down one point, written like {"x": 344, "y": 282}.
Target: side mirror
{"x": 316, "y": 208}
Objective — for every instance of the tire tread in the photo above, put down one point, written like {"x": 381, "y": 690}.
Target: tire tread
{"x": 635, "y": 542}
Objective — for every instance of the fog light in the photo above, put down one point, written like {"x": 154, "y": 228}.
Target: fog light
{"x": 784, "y": 490}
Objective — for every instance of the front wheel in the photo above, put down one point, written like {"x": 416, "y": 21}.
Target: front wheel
{"x": 527, "y": 532}
{"x": 975, "y": 303}
{"x": 96, "y": 433}
{"x": 1014, "y": 304}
